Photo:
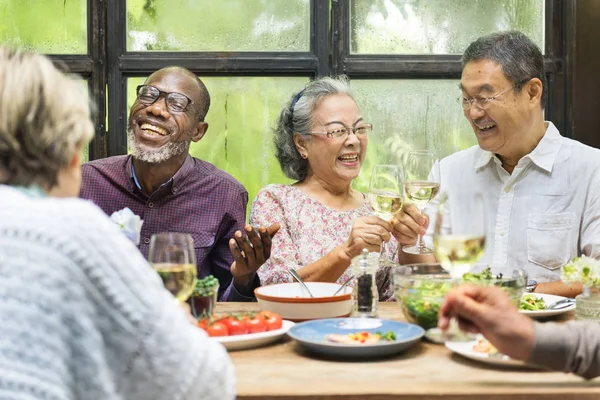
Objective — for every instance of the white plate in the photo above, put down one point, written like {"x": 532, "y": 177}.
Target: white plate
{"x": 465, "y": 349}
{"x": 251, "y": 340}
{"x": 548, "y": 300}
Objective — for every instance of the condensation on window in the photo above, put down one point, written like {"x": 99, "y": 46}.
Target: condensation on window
{"x": 208, "y": 25}
{"x": 45, "y": 26}
{"x": 410, "y": 115}
{"x": 438, "y": 27}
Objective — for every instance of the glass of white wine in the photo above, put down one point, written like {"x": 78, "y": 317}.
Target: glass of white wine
{"x": 459, "y": 242}
{"x": 386, "y": 195}
{"x": 422, "y": 185}
{"x": 459, "y": 245}
{"x": 172, "y": 255}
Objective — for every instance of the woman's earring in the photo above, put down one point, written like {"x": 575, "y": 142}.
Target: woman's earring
{"x": 304, "y": 156}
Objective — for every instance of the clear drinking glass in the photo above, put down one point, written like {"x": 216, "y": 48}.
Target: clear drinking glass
{"x": 460, "y": 245}
{"x": 386, "y": 194}
{"x": 172, "y": 255}
{"x": 422, "y": 185}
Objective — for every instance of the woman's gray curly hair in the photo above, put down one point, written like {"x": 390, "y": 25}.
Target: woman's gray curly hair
{"x": 297, "y": 117}
{"x": 45, "y": 119}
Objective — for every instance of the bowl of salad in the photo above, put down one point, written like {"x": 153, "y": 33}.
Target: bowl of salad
{"x": 420, "y": 288}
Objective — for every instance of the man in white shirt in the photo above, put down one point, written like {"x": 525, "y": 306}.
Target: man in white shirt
{"x": 541, "y": 190}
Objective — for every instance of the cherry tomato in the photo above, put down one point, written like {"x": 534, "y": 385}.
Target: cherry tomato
{"x": 217, "y": 329}
{"x": 273, "y": 320}
{"x": 256, "y": 324}
{"x": 235, "y": 326}
{"x": 203, "y": 323}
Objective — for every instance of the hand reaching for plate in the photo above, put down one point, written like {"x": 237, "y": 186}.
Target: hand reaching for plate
{"x": 489, "y": 311}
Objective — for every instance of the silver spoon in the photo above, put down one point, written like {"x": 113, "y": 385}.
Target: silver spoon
{"x": 343, "y": 286}
{"x": 564, "y": 303}
{"x": 293, "y": 272}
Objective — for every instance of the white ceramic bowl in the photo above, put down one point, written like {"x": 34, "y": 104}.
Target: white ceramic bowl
{"x": 292, "y": 302}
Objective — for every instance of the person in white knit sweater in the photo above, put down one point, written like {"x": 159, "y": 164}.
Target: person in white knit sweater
{"x": 82, "y": 315}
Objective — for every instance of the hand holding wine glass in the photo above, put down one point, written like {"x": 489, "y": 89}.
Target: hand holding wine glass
{"x": 386, "y": 192}
{"x": 172, "y": 255}
{"x": 421, "y": 186}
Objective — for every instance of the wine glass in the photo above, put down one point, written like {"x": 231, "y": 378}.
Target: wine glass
{"x": 172, "y": 255}
{"x": 386, "y": 195}
{"x": 422, "y": 184}
{"x": 459, "y": 245}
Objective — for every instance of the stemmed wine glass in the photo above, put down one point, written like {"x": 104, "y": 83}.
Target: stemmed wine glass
{"x": 459, "y": 242}
{"x": 422, "y": 184}
{"x": 386, "y": 194}
{"x": 172, "y": 255}
{"x": 460, "y": 245}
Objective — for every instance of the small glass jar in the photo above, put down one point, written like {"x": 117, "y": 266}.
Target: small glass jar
{"x": 587, "y": 305}
{"x": 203, "y": 305}
{"x": 365, "y": 294}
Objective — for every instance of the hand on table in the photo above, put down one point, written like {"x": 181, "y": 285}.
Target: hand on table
{"x": 250, "y": 251}
{"x": 488, "y": 310}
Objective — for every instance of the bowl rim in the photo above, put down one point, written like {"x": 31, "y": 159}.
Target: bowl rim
{"x": 324, "y": 299}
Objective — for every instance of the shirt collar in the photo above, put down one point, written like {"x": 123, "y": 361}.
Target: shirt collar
{"x": 174, "y": 182}
{"x": 543, "y": 155}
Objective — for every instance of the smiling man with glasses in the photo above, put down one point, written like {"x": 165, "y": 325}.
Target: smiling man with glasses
{"x": 174, "y": 192}
{"x": 542, "y": 190}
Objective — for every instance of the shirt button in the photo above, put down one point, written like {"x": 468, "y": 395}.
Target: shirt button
{"x": 151, "y": 204}
{"x": 501, "y": 232}
{"x": 174, "y": 190}
{"x": 507, "y": 189}
{"x": 147, "y": 240}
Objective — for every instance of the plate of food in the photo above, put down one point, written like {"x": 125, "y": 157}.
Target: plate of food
{"x": 536, "y": 305}
{"x": 482, "y": 350}
{"x": 356, "y": 337}
{"x": 240, "y": 331}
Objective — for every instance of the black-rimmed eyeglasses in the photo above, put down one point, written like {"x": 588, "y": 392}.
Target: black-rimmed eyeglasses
{"x": 176, "y": 102}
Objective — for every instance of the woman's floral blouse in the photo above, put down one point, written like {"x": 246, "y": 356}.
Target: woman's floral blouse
{"x": 309, "y": 230}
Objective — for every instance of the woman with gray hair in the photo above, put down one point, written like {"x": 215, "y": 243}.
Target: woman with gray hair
{"x": 83, "y": 314}
{"x": 321, "y": 140}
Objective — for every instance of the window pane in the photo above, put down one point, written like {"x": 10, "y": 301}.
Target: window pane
{"x": 226, "y": 25}
{"x": 410, "y": 114}
{"x": 438, "y": 27}
{"x": 46, "y": 26}
{"x": 242, "y": 114}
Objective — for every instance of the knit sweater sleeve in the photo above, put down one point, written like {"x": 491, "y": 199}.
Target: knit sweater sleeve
{"x": 171, "y": 358}
{"x": 570, "y": 347}
{"x": 87, "y": 316}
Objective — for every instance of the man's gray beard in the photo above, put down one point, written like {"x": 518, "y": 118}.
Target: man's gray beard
{"x": 157, "y": 156}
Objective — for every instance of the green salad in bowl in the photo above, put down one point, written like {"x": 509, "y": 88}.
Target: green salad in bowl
{"x": 420, "y": 288}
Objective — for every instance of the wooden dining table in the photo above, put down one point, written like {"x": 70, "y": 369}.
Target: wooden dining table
{"x": 426, "y": 371}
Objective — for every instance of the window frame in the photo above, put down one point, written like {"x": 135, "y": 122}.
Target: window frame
{"x": 432, "y": 66}
{"x": 124, "y": 64}
{"x": 107, "y": 64}
{"x": 92, "y": 67}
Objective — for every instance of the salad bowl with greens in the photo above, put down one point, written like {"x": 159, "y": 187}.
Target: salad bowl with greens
{"x": 420, "y": 288}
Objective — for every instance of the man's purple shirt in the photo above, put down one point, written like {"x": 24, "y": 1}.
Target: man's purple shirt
{"x": 200, "y": 200}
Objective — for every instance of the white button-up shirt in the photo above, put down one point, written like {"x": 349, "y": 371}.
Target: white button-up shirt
{"x": 540, "y": 216}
